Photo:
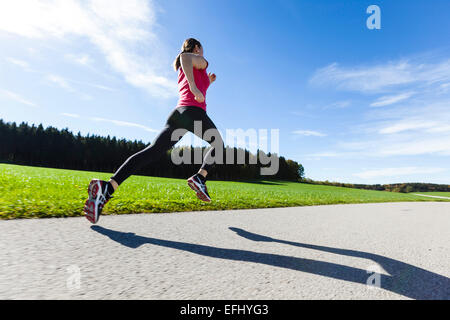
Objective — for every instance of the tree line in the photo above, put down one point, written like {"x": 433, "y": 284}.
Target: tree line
{"x": 50, "y": 147}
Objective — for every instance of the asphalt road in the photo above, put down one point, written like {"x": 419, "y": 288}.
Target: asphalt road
{"x": 364, "y": 251}
{"x": 426, "y": 195}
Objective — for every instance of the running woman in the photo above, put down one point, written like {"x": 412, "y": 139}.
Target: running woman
{"x": 193, "y": 82}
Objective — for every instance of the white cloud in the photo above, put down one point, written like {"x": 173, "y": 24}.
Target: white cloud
{"x": 363, "y": 79}
{"x": 309, "y": 133}
{"x": 123, "y": 31}
{"x": 70, "y": 115}
{"x": 98, "y": 86}
{"x": 440, "y": 128}
{"x": 408, "y": 137}
{"x": 394, "y": 172}
{"x": 418, "y": 121}
{"x": 382, "y": 77}
{"x": 16, "y": 97}
{"x": 388, "y": 100}
{"x": 115, "y": 122}
{"x": 64, "y": 83}
{"x": 396, "y": 145}
{"x": 82, "y": 59}
{"x": 125, "y": 124}
{"x": 323, "y": 155}
{"x": 18, "y": 62}
{"x": 406, "y": 125}
{"x": 61, "y": 82}
{"x": 339, "y": 104}
{"x": 418, "y": 146}
{"x": 24, "y": 65}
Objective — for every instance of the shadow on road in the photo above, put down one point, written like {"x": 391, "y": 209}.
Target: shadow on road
{"x": 404, "y": 279}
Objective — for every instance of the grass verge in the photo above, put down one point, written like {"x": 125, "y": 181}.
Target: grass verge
{"x": 31, "y": 192}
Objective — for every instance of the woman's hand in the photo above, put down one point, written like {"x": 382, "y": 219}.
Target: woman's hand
{"x": 199, "y": 97}
{"x": 212, "y": 77}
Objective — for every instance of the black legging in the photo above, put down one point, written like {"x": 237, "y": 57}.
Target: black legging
{"x": 181, "y": 118}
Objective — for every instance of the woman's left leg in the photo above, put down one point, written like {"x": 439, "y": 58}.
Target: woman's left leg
{"x": 101, "y": 191}
{"x": 152, "y": 153}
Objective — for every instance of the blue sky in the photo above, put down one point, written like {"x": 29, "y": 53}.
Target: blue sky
{"x": 352, "y": 104}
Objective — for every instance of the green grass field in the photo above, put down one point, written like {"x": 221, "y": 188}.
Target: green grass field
{"x": 30, "y": 192}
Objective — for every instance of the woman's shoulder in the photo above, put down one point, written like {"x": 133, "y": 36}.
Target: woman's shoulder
{"x": 198, "y": 62}
{"x": 202, "y": 65}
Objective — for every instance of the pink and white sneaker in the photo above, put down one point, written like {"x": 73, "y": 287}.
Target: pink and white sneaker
{"x": 99, "y": 194}
{"x": 196, "y": 184}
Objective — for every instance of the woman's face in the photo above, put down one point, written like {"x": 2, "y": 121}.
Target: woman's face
{"x": 198, "y": 50}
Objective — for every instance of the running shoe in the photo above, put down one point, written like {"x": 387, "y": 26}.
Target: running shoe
{"x": 99, "y": 195}
{"x": 196, "y": 184}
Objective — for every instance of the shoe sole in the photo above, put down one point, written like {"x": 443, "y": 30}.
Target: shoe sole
{"x": 200, "y": 194}
{"x": 91, "y": 204}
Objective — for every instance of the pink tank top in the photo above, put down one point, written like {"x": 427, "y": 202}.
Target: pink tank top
{"x": 187, "y": 98}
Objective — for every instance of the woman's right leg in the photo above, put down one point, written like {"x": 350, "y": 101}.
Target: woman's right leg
{"x": 152, "y": 153}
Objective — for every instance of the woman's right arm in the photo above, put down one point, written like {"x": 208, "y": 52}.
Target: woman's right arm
{"x": 188, "y": 62}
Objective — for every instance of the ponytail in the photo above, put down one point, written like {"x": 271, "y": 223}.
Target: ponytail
{"x": 177, "y": 62}
{"x": 188, "y": 46}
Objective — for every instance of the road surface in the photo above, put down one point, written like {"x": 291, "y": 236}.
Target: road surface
{"x": 427, "y": 195}
{"x": 363, "y": 251}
